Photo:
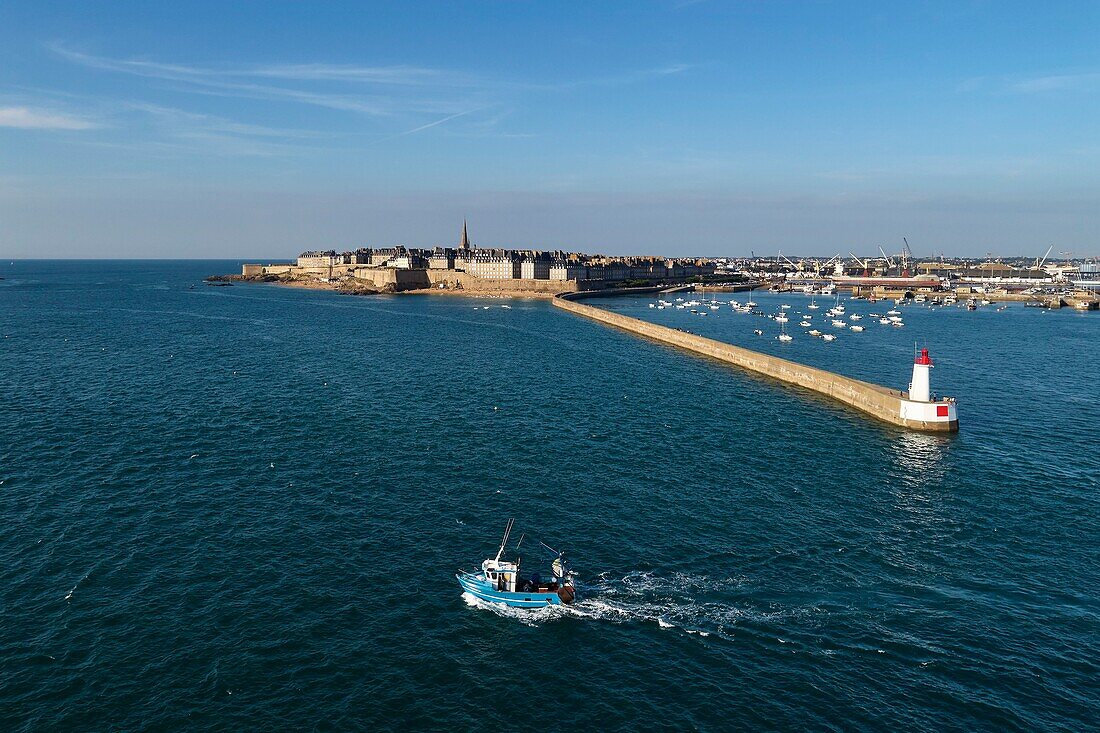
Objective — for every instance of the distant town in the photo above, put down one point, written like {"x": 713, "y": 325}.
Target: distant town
{"x": 466, "y": 268}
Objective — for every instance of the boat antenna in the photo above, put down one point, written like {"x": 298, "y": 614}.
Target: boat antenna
{"x": 548, "y": 547}
{"x": 503, "y": 542}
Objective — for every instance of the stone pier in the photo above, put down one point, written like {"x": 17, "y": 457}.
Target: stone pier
{"x": 871, "y": 399}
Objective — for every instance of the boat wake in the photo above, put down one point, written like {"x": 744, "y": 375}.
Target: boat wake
{"x": 527, "y": 616}
{"x": 675, "y": 602}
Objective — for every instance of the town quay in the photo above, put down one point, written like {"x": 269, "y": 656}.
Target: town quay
{"x": 907, "y": 410}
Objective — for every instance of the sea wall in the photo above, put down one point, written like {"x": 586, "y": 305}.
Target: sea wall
{"x": 871, "y": 399}
{"x": 465, "y": 282}
{"x": 391, "y": 279}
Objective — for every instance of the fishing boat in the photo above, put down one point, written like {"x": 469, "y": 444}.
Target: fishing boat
{"x": 500, "y": 580}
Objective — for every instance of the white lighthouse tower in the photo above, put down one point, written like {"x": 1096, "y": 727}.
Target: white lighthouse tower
{"x": 920, "y": 388}
{"x": 917, "y": 407}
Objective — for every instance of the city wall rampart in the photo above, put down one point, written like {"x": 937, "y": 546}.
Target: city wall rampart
{"x": 460, "y": 281}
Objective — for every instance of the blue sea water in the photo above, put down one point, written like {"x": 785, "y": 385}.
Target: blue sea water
{"x": 242, "y": 508}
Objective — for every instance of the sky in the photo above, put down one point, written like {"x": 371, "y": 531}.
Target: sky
{"x": 674, "y": 127}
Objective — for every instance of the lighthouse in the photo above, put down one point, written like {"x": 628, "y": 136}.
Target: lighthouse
{"x": 919, "y": 388}
{"x": 918, "y": 410}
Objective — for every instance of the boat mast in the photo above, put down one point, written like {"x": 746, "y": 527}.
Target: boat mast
{"x": 503, "y": 542}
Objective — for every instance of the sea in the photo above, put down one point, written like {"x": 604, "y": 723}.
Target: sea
{"x": 242, "y": 508}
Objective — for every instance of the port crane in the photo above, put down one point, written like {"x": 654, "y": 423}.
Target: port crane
{"x": 906, "y": 257}
{"x": 1039, "y": 263}
{"x": 865, "y": 264}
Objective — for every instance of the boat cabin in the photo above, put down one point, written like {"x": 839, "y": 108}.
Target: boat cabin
{"x": 505, "y": 576}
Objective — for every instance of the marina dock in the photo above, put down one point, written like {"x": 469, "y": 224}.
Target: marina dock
{"x": 882, "y": 403}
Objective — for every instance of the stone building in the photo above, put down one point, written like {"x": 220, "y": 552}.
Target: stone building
{"x": 561, "y": 269}
{"x": 494, "y": 264}
{"x": 442, "y": 258}
{"x": 535, "y": 266}
{"x": 380, "y": 257}
{"x": 319, "y": 259}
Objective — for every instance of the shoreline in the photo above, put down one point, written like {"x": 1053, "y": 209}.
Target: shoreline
{"x": 365, "y": 289}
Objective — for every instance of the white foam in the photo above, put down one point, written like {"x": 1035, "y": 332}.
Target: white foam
{"x": 528, "y": 616}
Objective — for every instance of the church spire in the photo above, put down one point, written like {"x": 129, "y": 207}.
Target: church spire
{"x": 465, "y": 243}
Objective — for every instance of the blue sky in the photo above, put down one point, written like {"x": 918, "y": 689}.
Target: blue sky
{"x": 676, "y": 127}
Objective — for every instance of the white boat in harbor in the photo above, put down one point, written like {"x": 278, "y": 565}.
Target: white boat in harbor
{"x": 884, "y": 321}
{"x": 898, "y": 324}
{"x": 857, "y": 329}
{"x": 804, "y": 324}
{"x": 855, "y": 317}
{"x": 781, "y": 318}
{"x": 783, "y": 335}
{"x": 828, "y": 337}
{"x": 893, "y": 313}
{"x": 839, "y": 324}
{"x": 815, "y": 332}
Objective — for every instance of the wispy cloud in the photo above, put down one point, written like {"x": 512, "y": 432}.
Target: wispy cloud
{"x": 1077, "y": 81}
{"x": 37, "y": 119}
{"x": 448, "y": 118}
{"x": 400, "y": 100}
{"x": 1058, "y": 82}
{"x": 374, "y": 91}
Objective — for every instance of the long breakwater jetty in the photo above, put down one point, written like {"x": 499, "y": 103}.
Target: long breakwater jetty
{"x": 913, "y": 410}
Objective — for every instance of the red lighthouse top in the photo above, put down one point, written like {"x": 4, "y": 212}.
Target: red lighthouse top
{"x": 924, "y": 358}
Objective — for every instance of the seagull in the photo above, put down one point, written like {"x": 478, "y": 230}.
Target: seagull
{"x": 272, "y": 466}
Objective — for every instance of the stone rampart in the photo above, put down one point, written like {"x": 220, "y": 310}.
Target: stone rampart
{"x": 465, "y": 282}
{"x": 879, "y": 402}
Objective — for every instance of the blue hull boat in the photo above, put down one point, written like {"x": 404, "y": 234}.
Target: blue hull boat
{"x": 500, "y": 581}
